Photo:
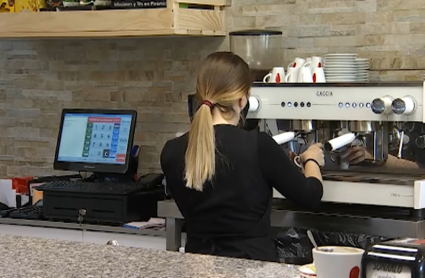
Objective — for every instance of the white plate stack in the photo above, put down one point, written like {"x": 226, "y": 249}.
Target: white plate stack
{"x": 362, "y": 65}
{"x": 340, "y": 67}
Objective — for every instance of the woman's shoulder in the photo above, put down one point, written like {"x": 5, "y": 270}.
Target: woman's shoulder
{"x": 238, "y": 131}
{"x": 174, "y": 146}
{"x": 174, "y": 143}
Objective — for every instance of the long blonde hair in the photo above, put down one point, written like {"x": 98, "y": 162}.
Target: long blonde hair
{"x": 224, "y": 78}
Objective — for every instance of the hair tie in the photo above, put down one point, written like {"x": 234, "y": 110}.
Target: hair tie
{"x": 207, "y": 103}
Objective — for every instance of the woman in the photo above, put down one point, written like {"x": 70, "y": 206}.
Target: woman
{"x": 221, "y": 176}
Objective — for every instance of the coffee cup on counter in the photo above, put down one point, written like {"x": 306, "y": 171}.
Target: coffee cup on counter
{"x": 337, "y": 261}
{"x": 276, "y": 75}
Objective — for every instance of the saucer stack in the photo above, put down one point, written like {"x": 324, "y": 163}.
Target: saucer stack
{"x": 340, "y": 67}
{"x": 362, "y": 65}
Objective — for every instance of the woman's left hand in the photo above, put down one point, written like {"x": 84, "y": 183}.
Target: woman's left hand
{"x": 355, "y": 154}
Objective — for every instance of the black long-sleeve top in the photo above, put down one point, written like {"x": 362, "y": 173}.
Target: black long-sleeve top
{"x": 237, "y": 202}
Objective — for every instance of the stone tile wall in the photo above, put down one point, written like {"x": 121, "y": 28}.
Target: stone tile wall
{"x": 154, "y": 75}
{"x": 389, "y": 32}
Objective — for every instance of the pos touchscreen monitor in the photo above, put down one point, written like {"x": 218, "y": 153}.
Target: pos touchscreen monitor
{"x": 95, "y": 140}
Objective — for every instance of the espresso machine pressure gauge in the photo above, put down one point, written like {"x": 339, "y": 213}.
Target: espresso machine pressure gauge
{"x": 403, "y": 106}
{"x": 382, "y": 105}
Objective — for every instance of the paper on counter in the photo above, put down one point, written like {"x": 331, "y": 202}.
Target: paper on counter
{"x": 7, "y": 193}
{"x": 152, "y": 223}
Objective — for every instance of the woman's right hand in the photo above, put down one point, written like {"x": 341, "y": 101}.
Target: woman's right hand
{"x": 315, "y": 152}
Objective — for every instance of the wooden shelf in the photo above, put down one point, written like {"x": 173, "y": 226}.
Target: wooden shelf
{"x": 119, "y": 23}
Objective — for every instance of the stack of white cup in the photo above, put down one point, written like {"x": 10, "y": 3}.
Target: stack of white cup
{"x": 301, "y": 70}
{"x": 308, "y": 70}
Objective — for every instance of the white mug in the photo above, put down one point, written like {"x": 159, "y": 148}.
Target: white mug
{"x": 276, "y": 75}
{"x": 318, "y": 75}
{"x": 316, "y": 62}
{"x": 297, "y": 63}
{"x": 304, "y": 75}
{"x": 292, "y": 75}
{"x": 344, "y": 165}
{"x": 337, "y": 261}
{"x": 344, "y": 161}
{"x": 308, "y": 60}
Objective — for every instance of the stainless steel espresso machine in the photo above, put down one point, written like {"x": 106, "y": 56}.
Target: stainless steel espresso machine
{"x": 382, "y": 194}
{"x": 381, "y": 191}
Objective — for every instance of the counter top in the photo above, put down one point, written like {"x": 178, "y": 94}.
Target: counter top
{"x": 76, "y": 226}
{"x": 43, "y": 258}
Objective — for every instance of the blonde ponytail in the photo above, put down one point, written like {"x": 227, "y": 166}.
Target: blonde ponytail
{"x": 200, "y": 153}
{"x": 225, "y": 79}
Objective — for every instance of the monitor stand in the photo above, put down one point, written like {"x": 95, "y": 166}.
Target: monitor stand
{"x": 129, "y": 176}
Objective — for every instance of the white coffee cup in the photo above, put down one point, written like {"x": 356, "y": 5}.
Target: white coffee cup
{"x": 292, "y": 75}
{"x": 316, "y": 62}
{"x": 308, "y": 60}
{"x": 304, "y": 75}
{"x": 318, "y": 75}
{"x": 276, "y": 75}
{"x": 337, "y": 261}
{"x": 297, "y": 63}
{"x": 344, "y": 160}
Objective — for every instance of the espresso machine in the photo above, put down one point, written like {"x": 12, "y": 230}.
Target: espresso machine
{"x": 384, "y": 193}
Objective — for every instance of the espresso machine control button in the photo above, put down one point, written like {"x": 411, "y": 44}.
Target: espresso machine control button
{"x": 404, "y": 105}
{"x": 381, "y": 105}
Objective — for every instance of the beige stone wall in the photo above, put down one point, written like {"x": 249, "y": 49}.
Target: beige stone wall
{"x": 389, "y": 32}
{"x": 40, "y": 77}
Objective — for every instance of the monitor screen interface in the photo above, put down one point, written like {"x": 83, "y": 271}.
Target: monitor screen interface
{"x": 94, "y": 138}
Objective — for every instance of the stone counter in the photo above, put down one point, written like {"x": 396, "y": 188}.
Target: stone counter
{"x": 76, "y": 226}
{"x": 26, "y": 257}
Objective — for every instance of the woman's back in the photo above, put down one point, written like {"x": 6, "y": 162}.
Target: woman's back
{"x": 222, "y": 176}
{"x": 236, "y": 203}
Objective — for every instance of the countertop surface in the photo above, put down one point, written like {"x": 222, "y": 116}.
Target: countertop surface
{"x": 27, "y": 257}
{"x": 76, "y": 226}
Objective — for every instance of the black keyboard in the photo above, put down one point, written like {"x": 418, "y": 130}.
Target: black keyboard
{"x": 31, "y": 212}
{"x": 106, "y": 187}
